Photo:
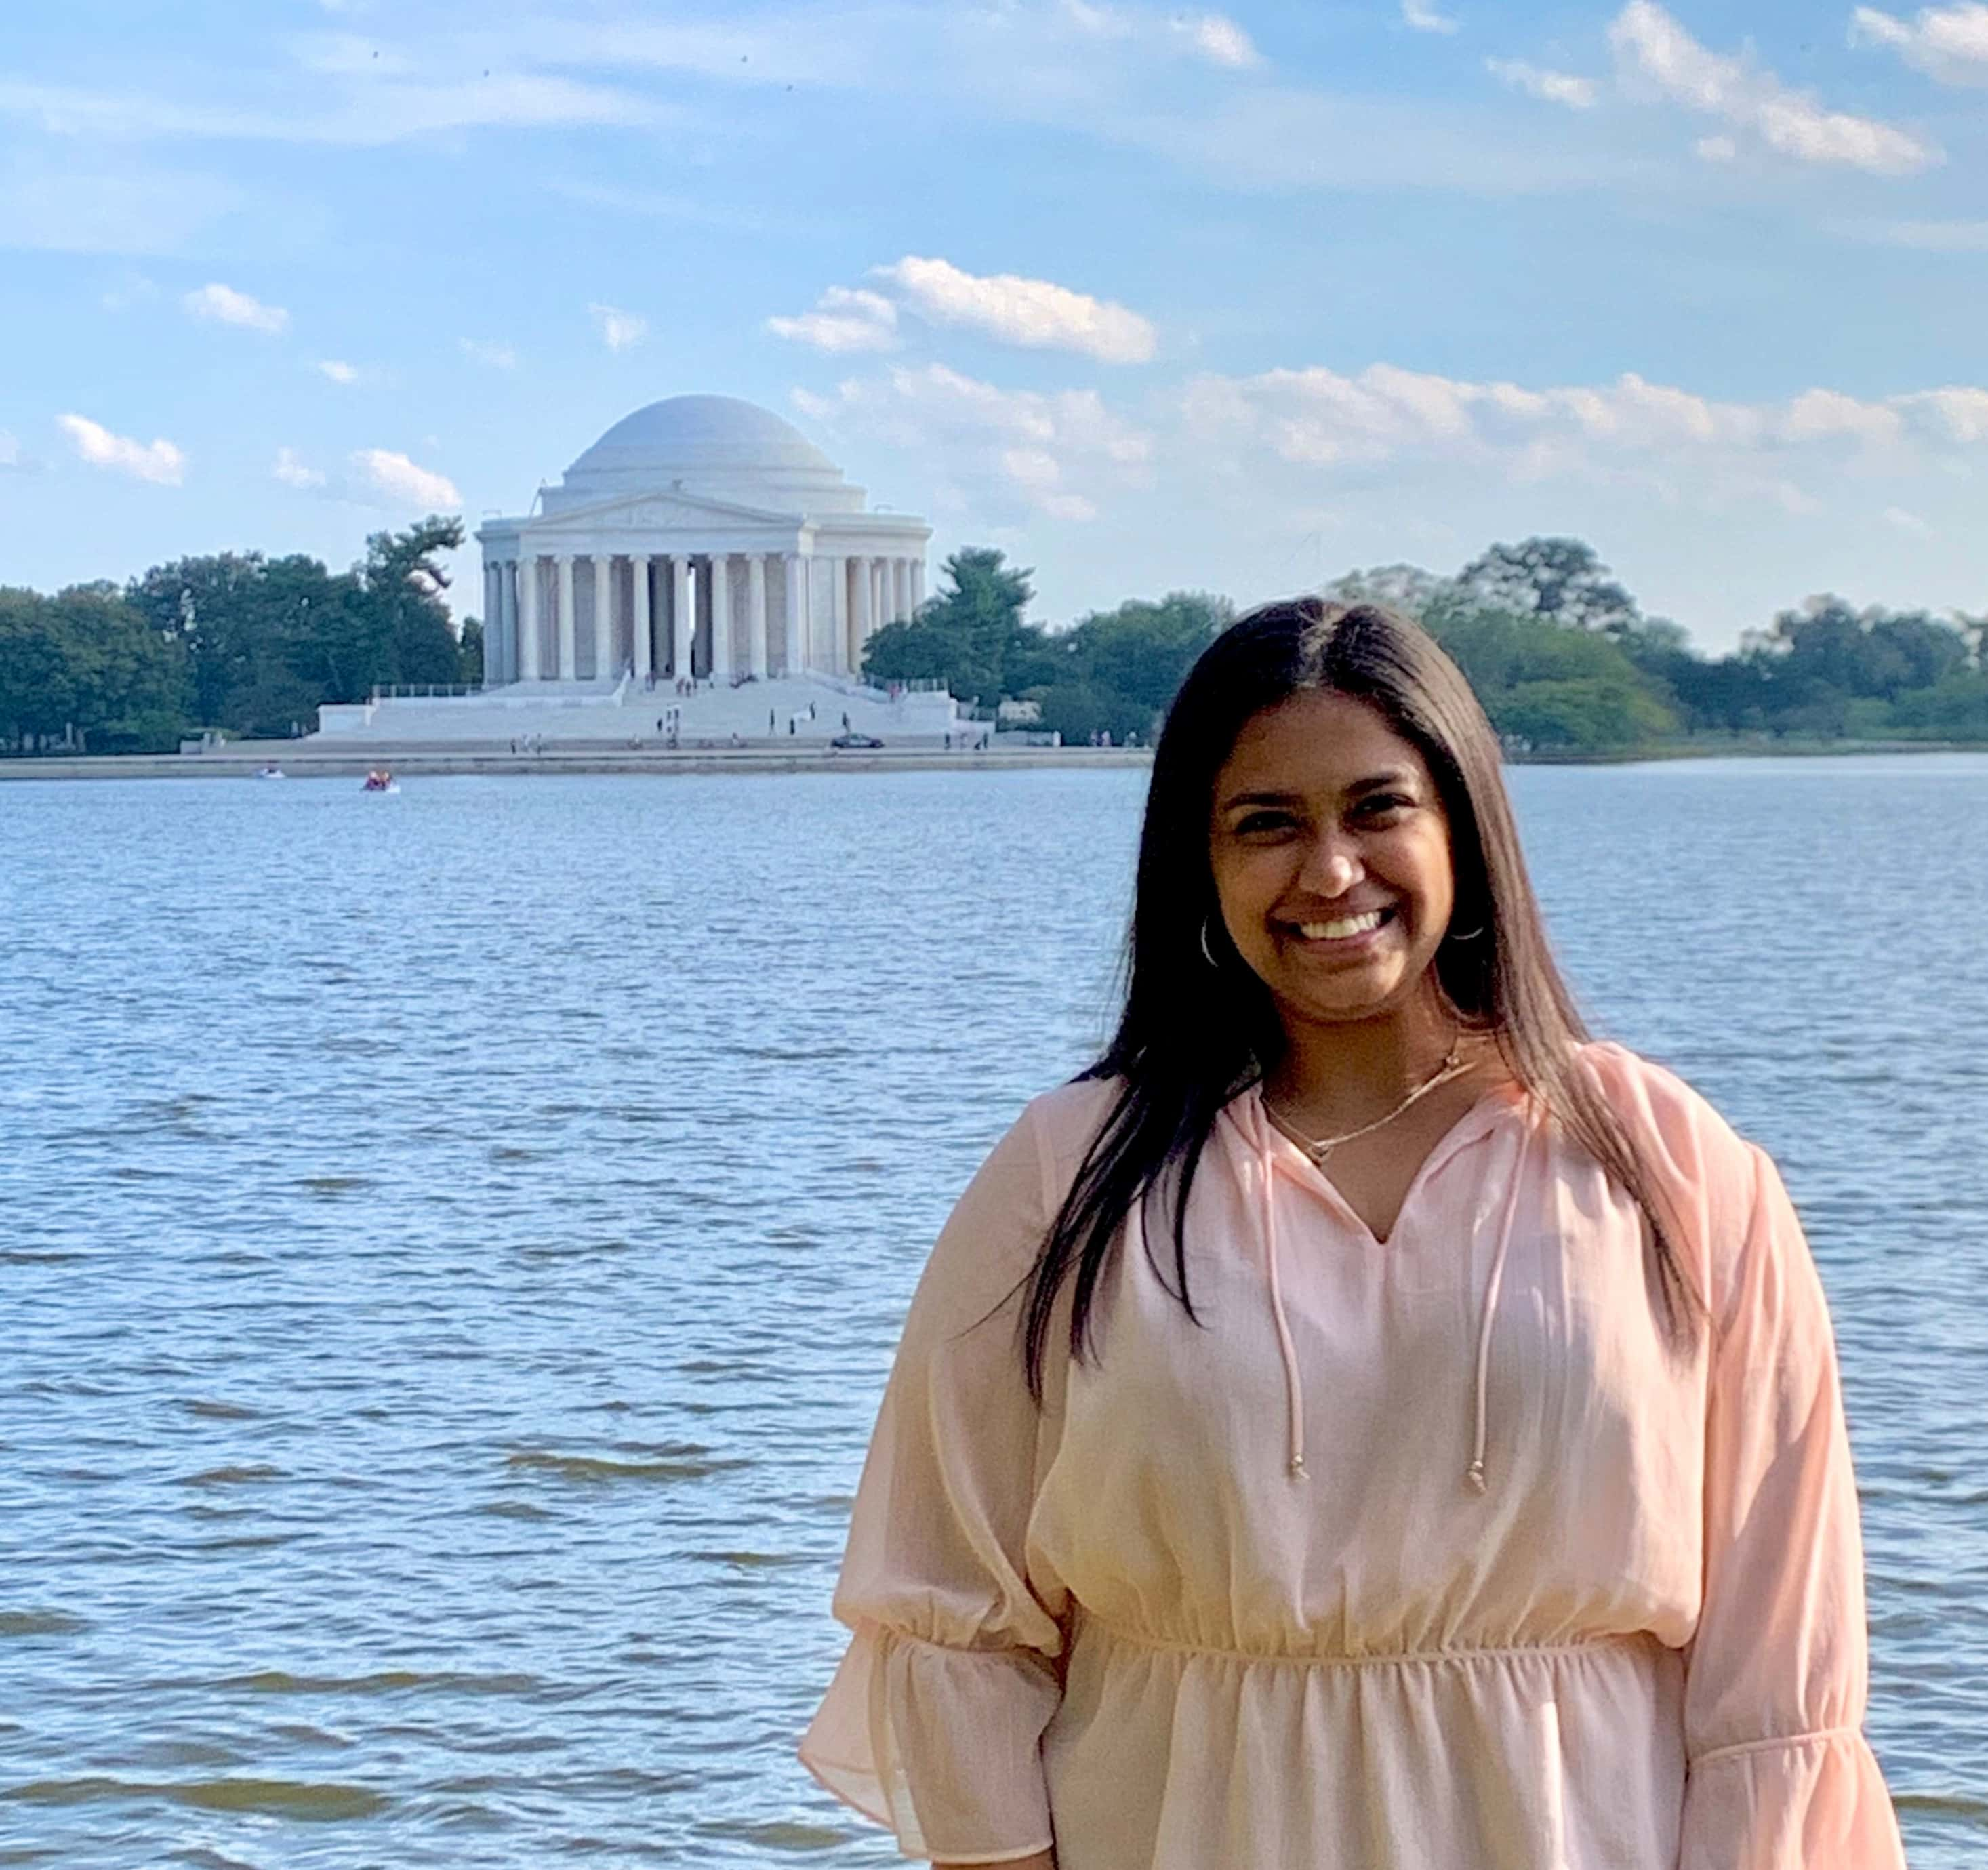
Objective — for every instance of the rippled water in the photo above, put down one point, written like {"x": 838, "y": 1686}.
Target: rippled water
{"x": 454, "y": 1243}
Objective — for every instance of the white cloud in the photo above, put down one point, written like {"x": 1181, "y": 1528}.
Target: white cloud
{"x": 158, "y": 462}
{"x": 1212, "y": 36}
{"x": 1716, "y": 149}
{"x": 843, "y": 320}
{"x": 619, "y": 330}
{"x": 338, "y": 372}
{"x": 491, "y": 352}
{"x": 223, "y": 305}
{"x": 1317, "y": 417}
{"x": 1821, "y": 415}
{"x": 10, "y": 449}
{"x": 404, "y": 483}
{"x": 1549, "y": 86}
{"x": 1036, "y": 314}
{"x": 1655, "y": 53}
{"x": 1949, "y": 43}
{"x": 1220, "y": 40}
{"x": 1004, "y": 451}
{"x": 1423, "y": 16}
{"x": 1909, "y": 523}
{"x": 292, "y": 473}
{"x": 1958, "y": 411}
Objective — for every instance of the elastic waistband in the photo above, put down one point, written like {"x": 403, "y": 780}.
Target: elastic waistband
{"x": 1637, "y": 1643}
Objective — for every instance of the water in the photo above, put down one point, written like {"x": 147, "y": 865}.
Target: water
{"x": 456, "y": 1242}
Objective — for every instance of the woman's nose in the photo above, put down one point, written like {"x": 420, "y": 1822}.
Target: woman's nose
{"x": 1330, "y": 868}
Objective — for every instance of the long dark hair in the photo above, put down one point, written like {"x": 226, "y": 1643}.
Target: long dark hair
{"x": 1192, "y": 1036}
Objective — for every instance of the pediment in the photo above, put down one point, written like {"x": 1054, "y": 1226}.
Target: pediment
{"x": 659, "y": 513}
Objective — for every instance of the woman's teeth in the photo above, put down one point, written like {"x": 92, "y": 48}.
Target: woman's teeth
{"x": 1339, "y": 931}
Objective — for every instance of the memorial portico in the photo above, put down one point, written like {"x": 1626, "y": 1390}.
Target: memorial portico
{"x": 702, "y": 537}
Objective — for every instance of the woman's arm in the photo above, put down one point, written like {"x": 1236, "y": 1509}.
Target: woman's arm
{"x": 1780, "y": 1777}
{"x": 934, "y": 1723}
{"x": 1043, "y": 1860}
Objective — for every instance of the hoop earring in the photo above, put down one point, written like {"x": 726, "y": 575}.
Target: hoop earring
{"x": 1465, "y": 934}
{"x": 1207, "y": 954}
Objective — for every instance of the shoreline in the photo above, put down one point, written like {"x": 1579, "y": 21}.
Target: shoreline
{"x": 300, "y": 759}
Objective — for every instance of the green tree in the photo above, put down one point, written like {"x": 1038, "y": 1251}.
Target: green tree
{"x": 269, "y": 641}
{"x": 1563, "y": 580}
{"x": 405, "y": 579}
{"x": 214, "y": 608}
{"x": 1546, "y": 683}
{"x": 1406, "y": 588}
{"x": 971, "y": 635}
{"x": 82, "y": 669}
{"x": 1143, "y": 651}
{"x": 471, "y": 661}
{"x": 1077, "y": 710}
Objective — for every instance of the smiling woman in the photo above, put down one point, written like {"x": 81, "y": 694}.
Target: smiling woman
{"x": 1362, "y": 1420}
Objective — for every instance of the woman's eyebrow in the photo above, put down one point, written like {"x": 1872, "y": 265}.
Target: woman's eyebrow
{"x": 1373, "y": 782}
{"x": 1393, "y": 775}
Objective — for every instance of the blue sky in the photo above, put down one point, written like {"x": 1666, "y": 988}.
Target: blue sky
{"x": 1150, "y": 297}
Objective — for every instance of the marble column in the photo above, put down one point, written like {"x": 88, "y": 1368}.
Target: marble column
{"x": 528, "y": 619}
{"x": 721, "y": 616}
{"x": 563, "y": 612}
{"x": 509, "y": 620}
{"x": 755, "y": 615}
{"x": 683, "y": 618}
{"x": 901, "y": 580}
{"x": 493, "y": 629}
{"x": 604, "y": 618}
{"x": 837, "y": 619}
{"x": 489, "y": 624}
{"x": 918, "y": 583}
{"x": 797, "y": 569}
{"x": 856, "y": 625}
{"x": 502, "y": 627}
{"x": 638, "y": 613}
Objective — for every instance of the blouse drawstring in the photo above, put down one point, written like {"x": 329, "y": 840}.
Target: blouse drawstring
{"x": 1475, "y": 1474}
{"x": 1293, "y": 1383}
{"x": 1287, "y": 1349}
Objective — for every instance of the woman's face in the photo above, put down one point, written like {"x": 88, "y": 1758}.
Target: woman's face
{"x": 1331, "y": 856}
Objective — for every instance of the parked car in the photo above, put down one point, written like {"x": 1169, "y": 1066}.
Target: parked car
{"x": 855, "y": 740}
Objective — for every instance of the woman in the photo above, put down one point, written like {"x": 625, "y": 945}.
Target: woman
{"x": 1360, "y": 1424}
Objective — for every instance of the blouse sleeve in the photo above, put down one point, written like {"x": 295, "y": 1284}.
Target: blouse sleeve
{"x": 934, "y": 1722}
{"x": 1780, "y": 1776}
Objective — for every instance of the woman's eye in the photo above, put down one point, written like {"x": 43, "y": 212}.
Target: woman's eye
{"x": 1261, "y": 821}
{"x": 1384, "y": 803}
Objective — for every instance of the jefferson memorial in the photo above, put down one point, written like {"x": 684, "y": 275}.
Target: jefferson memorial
{"x": 702, "y": 566}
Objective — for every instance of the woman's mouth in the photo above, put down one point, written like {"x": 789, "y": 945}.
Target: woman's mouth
{"x": 1342, "y": 932}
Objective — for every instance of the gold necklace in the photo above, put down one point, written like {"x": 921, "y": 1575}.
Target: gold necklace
{"x": 1319, "y": 1147}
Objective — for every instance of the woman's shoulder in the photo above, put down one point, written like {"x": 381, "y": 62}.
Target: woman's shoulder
{"x": 1065, "y": 1121}
{"x": 1661, "y": 1110}
{"x": 1711, "y": 1172}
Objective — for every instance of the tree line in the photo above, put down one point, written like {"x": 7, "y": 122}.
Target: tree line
{"x": 250, "y": 645}
{"x": 1561, "y": 655}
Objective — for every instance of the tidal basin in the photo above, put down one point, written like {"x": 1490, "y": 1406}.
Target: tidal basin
{"x": 456, "y": 1241}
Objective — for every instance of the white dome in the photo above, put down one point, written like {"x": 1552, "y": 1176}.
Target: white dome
{"x": 714, "y": 445}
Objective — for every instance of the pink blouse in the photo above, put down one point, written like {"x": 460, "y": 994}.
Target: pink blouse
{"x": 1423, "y": 1553}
